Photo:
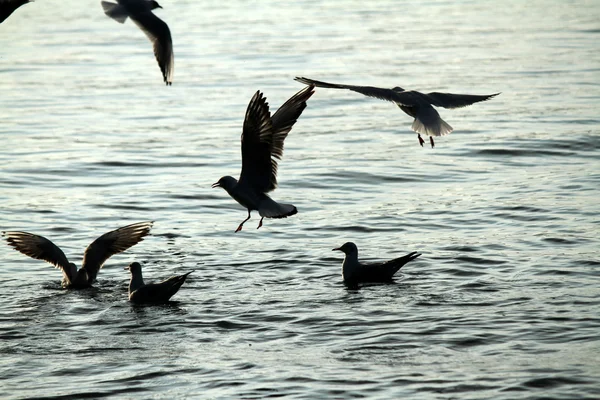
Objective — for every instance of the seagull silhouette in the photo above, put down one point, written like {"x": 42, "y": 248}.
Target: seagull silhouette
{"x": 262, "y": 146}
{"x": 152, "y": 292}
{"x": 354, "y": 272}
{"x": 95, "y": 255}
{"x": 416, "y": 104}
{"x": 140, "y": 12}
{"x": 7, "y": 7}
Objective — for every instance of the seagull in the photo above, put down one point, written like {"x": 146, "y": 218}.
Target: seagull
{"x": 140, "y": 12}
{"x": 262, "y": 146}
{"x": 354, "y": 272}
{"x": 7, "y": 7}
{"x": 95, "y": 255}
{"x": 152, "y": 292}
{"x": 416, "y": 104}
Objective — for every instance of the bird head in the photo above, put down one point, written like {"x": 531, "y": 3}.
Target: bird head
{"x": 134, "y": 267}
{"x": 347, "y": 248}
{"x": 73, "y": 269}
{"x": 154, "y": 4}
{"x": 226, "y": 182}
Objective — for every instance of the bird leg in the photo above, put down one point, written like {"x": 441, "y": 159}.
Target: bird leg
{"x": 431, "y": 140}
{"x": 421, "y": 141}
{"x": 260, "y": 223}
{"x": 239, "y": 228}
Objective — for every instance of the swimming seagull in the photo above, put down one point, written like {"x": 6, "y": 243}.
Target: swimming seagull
{"x": 140, "y": 12}
{"x": 262, "y": 146}
{"x": 7, "y": 7}
{"x": 354, "y": 272}
{"x": 152, "y": 292}
{"x": 416, "y": 104}
{"x": 95, "y": 255}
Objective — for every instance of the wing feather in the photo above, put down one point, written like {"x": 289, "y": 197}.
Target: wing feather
{"x": 257, "y": 136}
{"x": 159, "y": 34}
{"x": 449, "y": 100}
{"x": 40, "y": 248}
{"x": 8, "y": 7}
{"x": 370, "y": 91}
{"x": 37, "y": 247}
{"x": 112, "y": 243}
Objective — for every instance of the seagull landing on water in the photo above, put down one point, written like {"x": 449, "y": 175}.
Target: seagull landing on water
{"x": 153, "y": 292}
{"x": 140, "y": 12}
{"x": 95, "y": 255}
{"x": 354, "y": 272}
{"x": 262, "y": 146}
{"x": 7, "y": 7}
{"x": 416, "y": 104}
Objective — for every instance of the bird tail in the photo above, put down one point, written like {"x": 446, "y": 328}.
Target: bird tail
{"x": 431, "y": 128}
{"x": 402, "y": 261}
{"x": 177, "y": 282}
{"x": 271, "y": 209}
{"x": 115, "y": 11}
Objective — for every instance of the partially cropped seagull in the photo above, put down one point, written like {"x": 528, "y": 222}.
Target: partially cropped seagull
{"x": 354, "y": 272}
{"x": 153, "y": 292}
{"x": 7, "y": 7}
{"x": 140, "y": 12}
{"x": 262, "y": 146}
{"x": 416, "y": 104}
{"x": 95, "y": 255}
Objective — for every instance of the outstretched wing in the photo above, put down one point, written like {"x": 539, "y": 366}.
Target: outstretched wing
{"x": 371, "y": 91}
{"x": 283, "y": 120}
{"x": 159, "y": 34}
{"x": 449, "y": 100}
{"x": 40, "y": 248}
{"x": 257, "y": 137}
{"x": 112, "y": 243}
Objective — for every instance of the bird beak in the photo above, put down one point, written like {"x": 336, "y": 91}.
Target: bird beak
{"x": 216, "y": 184}
{"x": 337, "y": 248}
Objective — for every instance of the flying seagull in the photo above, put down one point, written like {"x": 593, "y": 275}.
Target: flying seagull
{"x": 7, "y": 7}
{"x": 262, "y": 146}
{"x": 416, "y": 104}
{"x": 95, "y": 255}
{"x": 354, "y": 272}
{"x": 140, "y": 12}
{"x": 153, "y": 292}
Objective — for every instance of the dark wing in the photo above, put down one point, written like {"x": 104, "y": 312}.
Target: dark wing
{"x": 257, "y": 137}
{"x": 159, "y": 34}
{"x": 158, "y": 292}
{"x": 112, "y": 243}
{"x": 385, "y": 271}
{"x": 8, "y": 7}
{"x": 40, "y": 248}
{"x": 371, "y": 91}
{"x": 449, "y": 100}
{"x": 282, "y": 121}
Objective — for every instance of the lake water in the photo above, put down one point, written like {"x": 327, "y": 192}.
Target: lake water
{"x": 504, "y": 302}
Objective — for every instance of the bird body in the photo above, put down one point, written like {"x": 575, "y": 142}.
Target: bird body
{"x": 7, "y": 7}
{"x": 418, "y": 105}
{"x": 262, "y": 145}
{"x": 140, "y": 12}
{"x": 95, "y": 255}
{"x": 354, "y": 272}
{"x": 153, "y": 292}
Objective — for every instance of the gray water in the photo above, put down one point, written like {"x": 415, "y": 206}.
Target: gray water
{"x": 503, "y": 303}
